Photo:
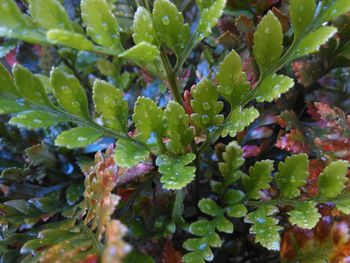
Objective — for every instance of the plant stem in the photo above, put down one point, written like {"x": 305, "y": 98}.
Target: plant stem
{"x": 171, "y": 77}
{"x": 96, "y": 244}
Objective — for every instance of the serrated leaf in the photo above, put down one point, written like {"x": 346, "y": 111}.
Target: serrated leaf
{"x": 312, "y": 42}
{"x": 268, "y": 40}
{"x": 69, "y": 39}
{"x": 232, "y": 161}
{"x": 201, "y": 248}
{"x": 178, "y": 130}
{"x": 29, "y": 86}
{"x": 332, "y": 179}
{"x": 209, "y": 16}
{"x": 301, "y": 15}
{"x": 169, "y": 24}
{"x": 272, "y": 87}
{"x": 239, "y": 119}
{"x": 209, "y": 207}
{"x": 237, "y": 210}
{"x": 305, "y": 215}
{"x": 149, "y": 120}
{"x": 69, "y": 94}
{"x": 259, "y": 178}
{"x": 101, "y": 24}
{"x": 205, "y": 105}
{"x": 141, "y": 54}
{"x": 175, "y": 172}
{"x": 110, "y": 104}
{"x": 233, "y": 85}
{"x": 50, "y": 14}
{"x": 11, "y": 106}
{"x": 35, "y": 119}
{"x": 343, "y": 205}
{"x": 77, "y": 137}
{"x": 265, "y": 228}
{"x": 7, "y": 86}
{"x": 224, "y": 225}
{"x": 292, "y": 174}
{"x": 128, "y": 154}
{"x": 337, "y": 8}
{"x": 143, "y": 27}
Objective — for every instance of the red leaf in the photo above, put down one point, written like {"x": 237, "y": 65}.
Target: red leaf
{"x": 294, "y": 142}
{"x": 170, "y": 255}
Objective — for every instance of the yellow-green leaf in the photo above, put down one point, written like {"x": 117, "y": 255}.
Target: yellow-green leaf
{"x": 272, "y": 87}
{"x": 331, "y": 181}
{"x": 128, "y": 154}
{"x": 101, "y": 24}
{"x": 110, "y": 104}
{"x": 301, "y": 15}
{"x": 69, "y": 39}
{"x": 78, "y": 137}
{"x": 35, "y": 119}
{"x": 233, "y": 85}
{"x": 169, "y": 24}
{"x": 305, "y": 215}
{"x": 337, "y": 8}
{"x": 143, "y": 27}
{"x": 69, "y": 94}
{"x": 50, "y": 14}
{"x": 141, "y": 54}
{"x": 268, "y": 40}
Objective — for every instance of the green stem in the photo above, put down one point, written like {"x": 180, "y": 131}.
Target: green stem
{"x": 171, "y": 77}
{"x": 96, "y": 244}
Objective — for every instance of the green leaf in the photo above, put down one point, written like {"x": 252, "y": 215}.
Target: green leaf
{"x": 237, "y": 210}
{"x": 7, "y": 86}
{"x": 169, "y": 24}
{"x": 101, "y": 24}
{"x": 268, "y": 41}
{"x": 332, "y": 179}
{"x": 175, "y": 172}
{"x": 128, "y": 154}
{"x": 301, "y": 15}
{"x": 238, "y": 120}
{"x": 305, "y": 215}
{"x": 35, "y": 119}
{"x": 78, "y": 137}
{"x": 11, "y": 106}
{"x": 143, "y": 27}
{"x": 232, "y": 197}
{"x": 210, "y": 15}
{"x": 337, "y": 8}
{"x": 30, "y": 86}
{"x": 345, "y": 52}
{"x": 224, "y": 225}
{"x": 178, "y": 130}
{"x": 209, "y": 207}
{"x": 265, "y": 227}
{"x": 292, "y": 174}
{"x": 343, "y": 205}
{"x": 312, "y": 42}
{"x": 272, "y": 87}
{"x": 201, "y": 248}
{"x": 50, "y": 14}
{"x": 69, "y": 94}
{"x": 259, "y": 178}
{"x": 149, "y": 120}
{"x": 141, "y": 54}
{"x": 201, "y": 228}
{"x": 206, "y": 106}
{"x": 10, "y": 16}
{"x": 69, "y": 39}
{"x": 233, "y": 85}
{"x": 110, "y": 104}
{"x": 232, "y": 161}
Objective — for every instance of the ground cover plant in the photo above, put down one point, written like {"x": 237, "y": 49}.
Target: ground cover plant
{"x": 174, "y": 131}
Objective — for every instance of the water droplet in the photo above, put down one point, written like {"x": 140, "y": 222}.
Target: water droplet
{"x": 37, "y": 121}
{"x": 267, "y": 30}
{"x": 205, "y": 119}
{"x": 82, "y": 139}
{"x": 206, "y": 106}
{"x": 165, "y": 20}
{"x": 76, "y": 104}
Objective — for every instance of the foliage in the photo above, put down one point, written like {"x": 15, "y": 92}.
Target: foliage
{"x": 174, "y": 98}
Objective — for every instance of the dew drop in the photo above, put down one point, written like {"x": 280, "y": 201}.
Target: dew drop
{"x": 82, "y": 139}
{"x": 76, "y": 104}
{"x": 267, "y": 30}
{"x": 206, "y": 106}
{"x": 165, "y": 20}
